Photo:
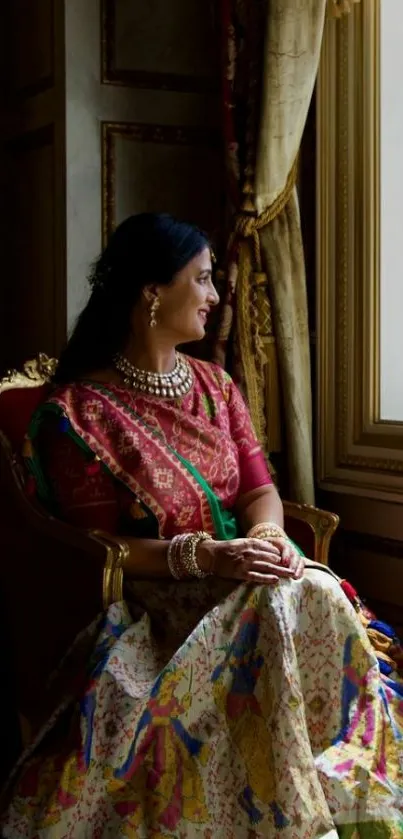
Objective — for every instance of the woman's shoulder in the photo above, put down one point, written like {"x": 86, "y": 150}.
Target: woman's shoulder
{"x": 62, "y": 392}
{"x": 209, "y": 369}
{"x": 212, "y": 376}
{"x": 77, "y": 398}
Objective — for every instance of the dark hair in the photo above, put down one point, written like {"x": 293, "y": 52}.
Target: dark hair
{"x": 145, "y": 249}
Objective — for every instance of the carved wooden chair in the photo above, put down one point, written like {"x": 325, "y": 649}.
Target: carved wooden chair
{"x": 54, "y": 579}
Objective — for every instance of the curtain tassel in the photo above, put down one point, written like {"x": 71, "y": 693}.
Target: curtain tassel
{"x": 272, "y": 387}
{"x": 338, "y": 8}
{"x": 271, "y": 383}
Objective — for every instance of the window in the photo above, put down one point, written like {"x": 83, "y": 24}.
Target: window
{"x": 360, "y": 253}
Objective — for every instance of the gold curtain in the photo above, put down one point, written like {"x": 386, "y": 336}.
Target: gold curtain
{"x": 341, "y": 7}
{"x": 291, "y": 58}
{"x": 272, "y": 53}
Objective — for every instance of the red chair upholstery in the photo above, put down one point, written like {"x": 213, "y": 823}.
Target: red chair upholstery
{"x": 20, "y": 394}
{"x": 16, "y": 409}
{"x": 54, "y": 579}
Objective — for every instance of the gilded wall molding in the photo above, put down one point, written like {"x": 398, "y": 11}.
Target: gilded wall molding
{"x": 174, "y": 135}
{"x": 112, "y": 74}
{"x": 357, "y": 452}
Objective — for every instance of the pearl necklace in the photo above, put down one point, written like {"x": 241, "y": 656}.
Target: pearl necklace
{"x": 172, "y": 385}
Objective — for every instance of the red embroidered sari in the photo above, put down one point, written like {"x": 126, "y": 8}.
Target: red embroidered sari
{"x": 138, "y": 482}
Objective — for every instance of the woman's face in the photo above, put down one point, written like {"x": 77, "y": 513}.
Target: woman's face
{"x": 185, "y": 304}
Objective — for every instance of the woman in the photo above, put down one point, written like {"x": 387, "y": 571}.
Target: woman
{"x": 234, "y": 693}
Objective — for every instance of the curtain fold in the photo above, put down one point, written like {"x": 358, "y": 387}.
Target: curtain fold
{"x": 283, "y": 258}
{"x": 271, "y": 51}
{"x": 290, "y": 64}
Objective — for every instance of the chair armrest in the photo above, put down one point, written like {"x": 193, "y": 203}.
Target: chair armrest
{"x": 117, "y": 551}
{"x": 312, "y": 529}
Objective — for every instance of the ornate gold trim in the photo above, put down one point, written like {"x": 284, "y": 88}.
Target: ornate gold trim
{"x": 175, "y": 135}
{"x": 250, "y": 343}
{"x": 356, "y": 451}
{"x": 142, "y": 79}
{"x": 35, "y": 373}
{"x": 322, "y": 523}
{"x": 117, "y": 554}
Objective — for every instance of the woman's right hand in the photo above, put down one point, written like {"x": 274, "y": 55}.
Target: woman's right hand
{"x": 250, "y": 560}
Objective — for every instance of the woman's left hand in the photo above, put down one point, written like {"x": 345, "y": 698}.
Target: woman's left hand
{"x": 290, "y": 558}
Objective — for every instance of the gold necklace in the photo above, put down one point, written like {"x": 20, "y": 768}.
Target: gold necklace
{"x": 169, "y": 385}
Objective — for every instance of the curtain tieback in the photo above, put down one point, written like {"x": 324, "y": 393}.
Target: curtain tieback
{"x": 247, "y": 225}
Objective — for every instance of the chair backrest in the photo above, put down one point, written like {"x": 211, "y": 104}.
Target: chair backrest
{"x": 20, "y": 394}
{"x": 51, "y": 575}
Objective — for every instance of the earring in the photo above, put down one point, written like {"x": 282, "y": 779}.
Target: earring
{"x": 153, "y": 311}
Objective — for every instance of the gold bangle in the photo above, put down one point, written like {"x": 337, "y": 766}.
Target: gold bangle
{"x": 173, "y": 556}
{"x": 181, "y": 556}
{"x": 266, "y": 530}
{"x": 189, "y": 554}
